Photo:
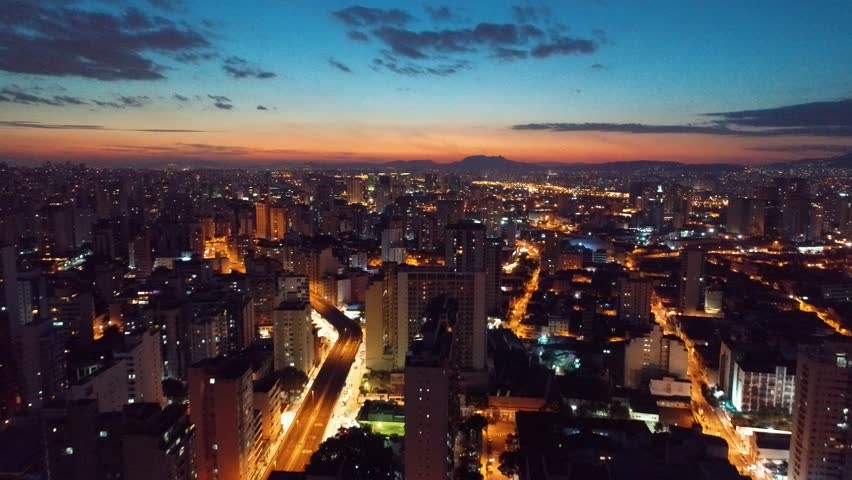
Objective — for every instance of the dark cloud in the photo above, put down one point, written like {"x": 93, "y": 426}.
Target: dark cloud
{"x": 16, "y": 94}
{"x": 531, "y": 13}
{"x": 358, "y": 36}
{"x": 564, "y": 46}
{"x": 360, "y": 16}
{"x": 238, "y": 67}
{"x": 221, "y": 102}
{"x": 393, "y": 64}
{"x": 709, "y": 129}
{"x": 59, "y": 126}
{"x": 444, "y": 51}
{"x": 509, "y": 54}
{"x": 623, "y": 128}
{"x": 195, "y": 57}
{"x": 124, "y": 101}
{"x": 181, "y": 98}
{"x": 43, "y": 38}
{"x": 816, "y": 114}
{"x": 338, "y": 65}
{"x": 598, "y": 66}
{"x": 261, "y": 107}
{"x": 170, "y": 5}
{"x": 439, "y": 14}
{"x": 805, "y": 148}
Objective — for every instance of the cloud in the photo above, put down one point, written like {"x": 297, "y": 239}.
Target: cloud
{"x": 439, "y": 14}
{"x": 564, "y": 46}
{"x": 598, "y": 66}
{"x": 221, "y": 102}
{"x": 60, "y": 126}
{"x": 181, "y": 98}
{"x": 124, "y": 101}
{"x": 238, "y": 68}
{"x": 261, "y": 107}
{"x": 42, "y": 38}
{"x": 708, "y": 129}
{"x": 15, "y": 94}
{"x": 531, "y": 13}
{"x": 338, "y": 65}
{"x": 170, "y": 5}
{"x": 429, "y": 43}
{"x": 804, "y": 148}
{"x": 533, "y": 35}
{"x": 357, "y": 36}
{"x": 815, "y": 114}
{"x": 816, "y": 119}
{"x": 360, "y": 16}
{"x": 394, "y": 65}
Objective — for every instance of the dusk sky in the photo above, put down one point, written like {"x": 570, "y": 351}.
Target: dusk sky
{"x": 573, "y": 81}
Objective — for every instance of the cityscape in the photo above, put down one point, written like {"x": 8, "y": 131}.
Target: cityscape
{"x": 497, "y": 241}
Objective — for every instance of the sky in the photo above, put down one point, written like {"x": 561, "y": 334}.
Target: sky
{"x": 566, "y": 81}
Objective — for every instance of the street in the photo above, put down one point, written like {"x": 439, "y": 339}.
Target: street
{"x": 307, "y": 430}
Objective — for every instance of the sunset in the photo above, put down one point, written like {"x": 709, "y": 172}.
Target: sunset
{"x": 268, "y": 81}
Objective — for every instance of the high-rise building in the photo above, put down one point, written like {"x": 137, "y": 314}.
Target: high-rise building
{"x": 634, "y": 300}
{"x": 464, "y": 250}
{"x": 431, "y": 406}
{"x": 134, "y": 375}
{"x": 157, "y": 443}
{"x": 821, "y": 446}
{"x": 746, "y": 216}
{"x": 406, "y": 293}
{"x": 393, "y": 243}
{"x": 467, "y": 249}
{"x": 293, "y": 336}
{"x": 793, "y": 201}
{"x": 653, "y": 355}
{"x": 692, "y": 281}
{"x": 261, "y": 220}
{"x": 277, "y": 222}
{"x": 756, "y": 378}
{"x": 355, "y": 189}
{"x": 222, "y": 409}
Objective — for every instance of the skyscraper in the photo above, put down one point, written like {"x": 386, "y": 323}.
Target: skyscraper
{"x": 692, "y": 281}
{"x": 821, "y": 447}
{"x": 634, "y": 299}
{"x": 430, "y": 401}
{"x": 277, "y": 222}
{"x": 261, "y": 220}
{"x": 222, "y": 399}
{"x": 292, "y": 335}
{"x": 406, "y": 293}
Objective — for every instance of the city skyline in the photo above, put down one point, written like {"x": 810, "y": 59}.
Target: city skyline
{"x": 266, "y": 81}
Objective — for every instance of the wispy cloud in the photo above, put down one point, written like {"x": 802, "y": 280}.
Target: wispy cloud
{"x": 816, "y": 119}
{"x": 240, "y": 68}
{"x": 339, "y": 65}
{"x": 63, "y": 126}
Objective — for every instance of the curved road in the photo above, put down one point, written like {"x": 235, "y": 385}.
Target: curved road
{"x": 306, "y": 432}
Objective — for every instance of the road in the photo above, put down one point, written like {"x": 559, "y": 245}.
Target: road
{"x": 308, "y": 427}
{"x": 519, "y": 308}
{"x": 712, "y": 420}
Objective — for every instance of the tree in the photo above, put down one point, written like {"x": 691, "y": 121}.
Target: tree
{"x": 355, "y": 453}
{"x": 463, "y": 473}
{"x": 292, "y": 379}
{"x": 510, "y": 463}
{"x": 475, "y": 424}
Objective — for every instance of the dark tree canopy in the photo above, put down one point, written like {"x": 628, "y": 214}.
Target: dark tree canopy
{"x": 355, "y": 453}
